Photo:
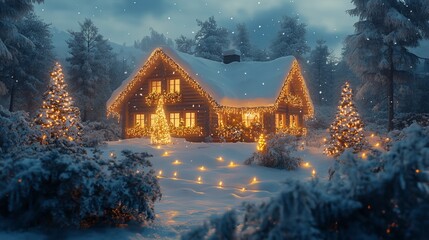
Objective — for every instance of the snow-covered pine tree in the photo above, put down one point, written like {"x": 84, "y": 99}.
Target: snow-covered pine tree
{"x": 9, "y": 34}
{"x": 58, "y": 118}
{"x": 241, "y": 41}
{"x": 290, "y": 39}
{"x": 210, "y": 40}
{"x": 320, "y": 71}
{"x": 160, "y": 130}
{"x": 185, "y": 44}
{"x": 90, "y": 60}
{"x": 28, "y": 75}
{"x": 378, "y": 51}
{"x": 156, "y": 39}
{"x": 347, "y": 129}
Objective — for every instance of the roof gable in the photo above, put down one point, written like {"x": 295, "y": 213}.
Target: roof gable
{"x": 238, "y": 84}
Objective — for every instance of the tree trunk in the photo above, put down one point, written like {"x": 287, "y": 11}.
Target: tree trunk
{"x": 390, "y": 88}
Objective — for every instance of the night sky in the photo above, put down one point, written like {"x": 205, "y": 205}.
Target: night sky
{"x": 124, "y": 21}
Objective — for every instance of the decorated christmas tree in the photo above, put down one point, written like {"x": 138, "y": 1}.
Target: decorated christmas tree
{"x": 160, "y": 131}
{"x": 262, "y": 144}
{"x": 347, "y": 129}
{"x": 58, "y": 118}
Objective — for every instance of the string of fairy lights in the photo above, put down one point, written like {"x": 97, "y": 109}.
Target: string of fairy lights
{"x": 295, "y": 73}
{"x": 219, "y": 183}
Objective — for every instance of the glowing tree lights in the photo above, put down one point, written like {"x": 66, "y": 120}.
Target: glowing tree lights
{"x": 261, "y": 143}
{"x": 160, "y": 131}
{"x": 58, "y": 118}
{"x": 347, "y": 129}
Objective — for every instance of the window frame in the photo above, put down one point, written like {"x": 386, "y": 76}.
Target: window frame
{"x": 248, "y": 121}
{"x": 176, "y": 122}
{"x": 192, "y": 121}
{"x": 139, "y": 118}
{"x": 175, "y": 86}
{"x": 158, "y": 89}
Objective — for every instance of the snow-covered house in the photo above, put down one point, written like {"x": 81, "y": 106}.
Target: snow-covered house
{"x": 231, "y": 99}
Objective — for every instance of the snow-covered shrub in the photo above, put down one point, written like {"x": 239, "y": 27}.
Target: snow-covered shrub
{"x": 277, "y": 153}
{"x": 219, "y": 228}
{"x": 96, "y": 133}
{"x": 57, "y": 189}
{"x": 405, "y": 120}
{"x": 15, "y": 130}
{"x": 383, "y": 197}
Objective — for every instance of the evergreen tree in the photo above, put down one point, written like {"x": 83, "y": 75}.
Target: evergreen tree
{"x": 10, "y": 37}
{"x": 91, "y": 56}
{"x": 241, "y": 41}
{"x": 31, "y": 66}
{"x": 184, "y": 44}
{"x": 378, "y": 51}
{"x": 155, "y": 39}
{"x": 347, "y": 129}
{"x": 58, "y": 118}
{"x": 290, "y": 39}
{"x": 321, "y": 67}
{"x": 160, "y": 130}
{"x": 210, "y": 40}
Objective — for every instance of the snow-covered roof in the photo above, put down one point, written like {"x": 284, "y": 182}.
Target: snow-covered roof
{"x": 237, "y": 84}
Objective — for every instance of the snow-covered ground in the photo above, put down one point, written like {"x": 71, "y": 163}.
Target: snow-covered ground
{"x": 188, "y": 201}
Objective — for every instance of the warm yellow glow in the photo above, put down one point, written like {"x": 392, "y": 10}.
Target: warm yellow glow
{"x": 306, "y": 165}
{"x": 377, "y": 144}
{"x": 243, "y": 189}
{"x": 220, "y": 184}
{"x": 324, "y": 139}
{"x": 387, "y": 139}
{"x": 219, "y": 158}
{"x": 372, "y": 135}
{"x": 202, "y": 168}
{"x": 313, "y": 173}
{"x": 175, "y": 174}
{"x": 260, "y": 147}
{"x": 160, "y": 173}
{"x": 158, "y": 147}
{"x": 417, "y": 171}
{"x": 199, "y": 179}
{"x": 160, "y": 131}
{"x": 254, "y": 180}
{"x": 232, "y": 164}
{"x": 158, "y": 54}
{"x": 177, "y": 162}
{"x": 165, "y": 154}
{"x": 364, "y": 155}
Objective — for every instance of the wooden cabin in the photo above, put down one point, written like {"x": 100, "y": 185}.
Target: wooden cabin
{"x": 204, "y": 99}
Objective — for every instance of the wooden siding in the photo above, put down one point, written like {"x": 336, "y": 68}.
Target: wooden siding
{"x": 191, "y": 100}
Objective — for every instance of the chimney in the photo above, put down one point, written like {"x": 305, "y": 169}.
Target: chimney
{"x": 231, "y": 55}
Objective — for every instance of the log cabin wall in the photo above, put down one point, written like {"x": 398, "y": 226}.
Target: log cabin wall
{"x": 191, "y": 100}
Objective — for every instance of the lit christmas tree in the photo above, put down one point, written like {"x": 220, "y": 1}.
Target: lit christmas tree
{"x": 58, "y": 118}
{"x": 160, "y": 131}
{"x": 347, "y": 129}
{"x": 262, "y": 144}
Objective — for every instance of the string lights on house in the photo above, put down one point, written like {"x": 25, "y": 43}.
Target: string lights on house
{"x": 285, "y": 96}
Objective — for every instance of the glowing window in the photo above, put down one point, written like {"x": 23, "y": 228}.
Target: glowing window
{"x": 175, "y": 119}
{"x": 139, "y": 120}
{"x": 280, "y": 120}
{"x": 174, "y": 85}
{"x": 190, "y": 119}
{"x": 155, "y": 86}
{"x": 249, "y": 118}
{"x": 293, "y": 121}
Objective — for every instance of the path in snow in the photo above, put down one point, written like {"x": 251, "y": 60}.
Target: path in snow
{"x": 188, "y": 200}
